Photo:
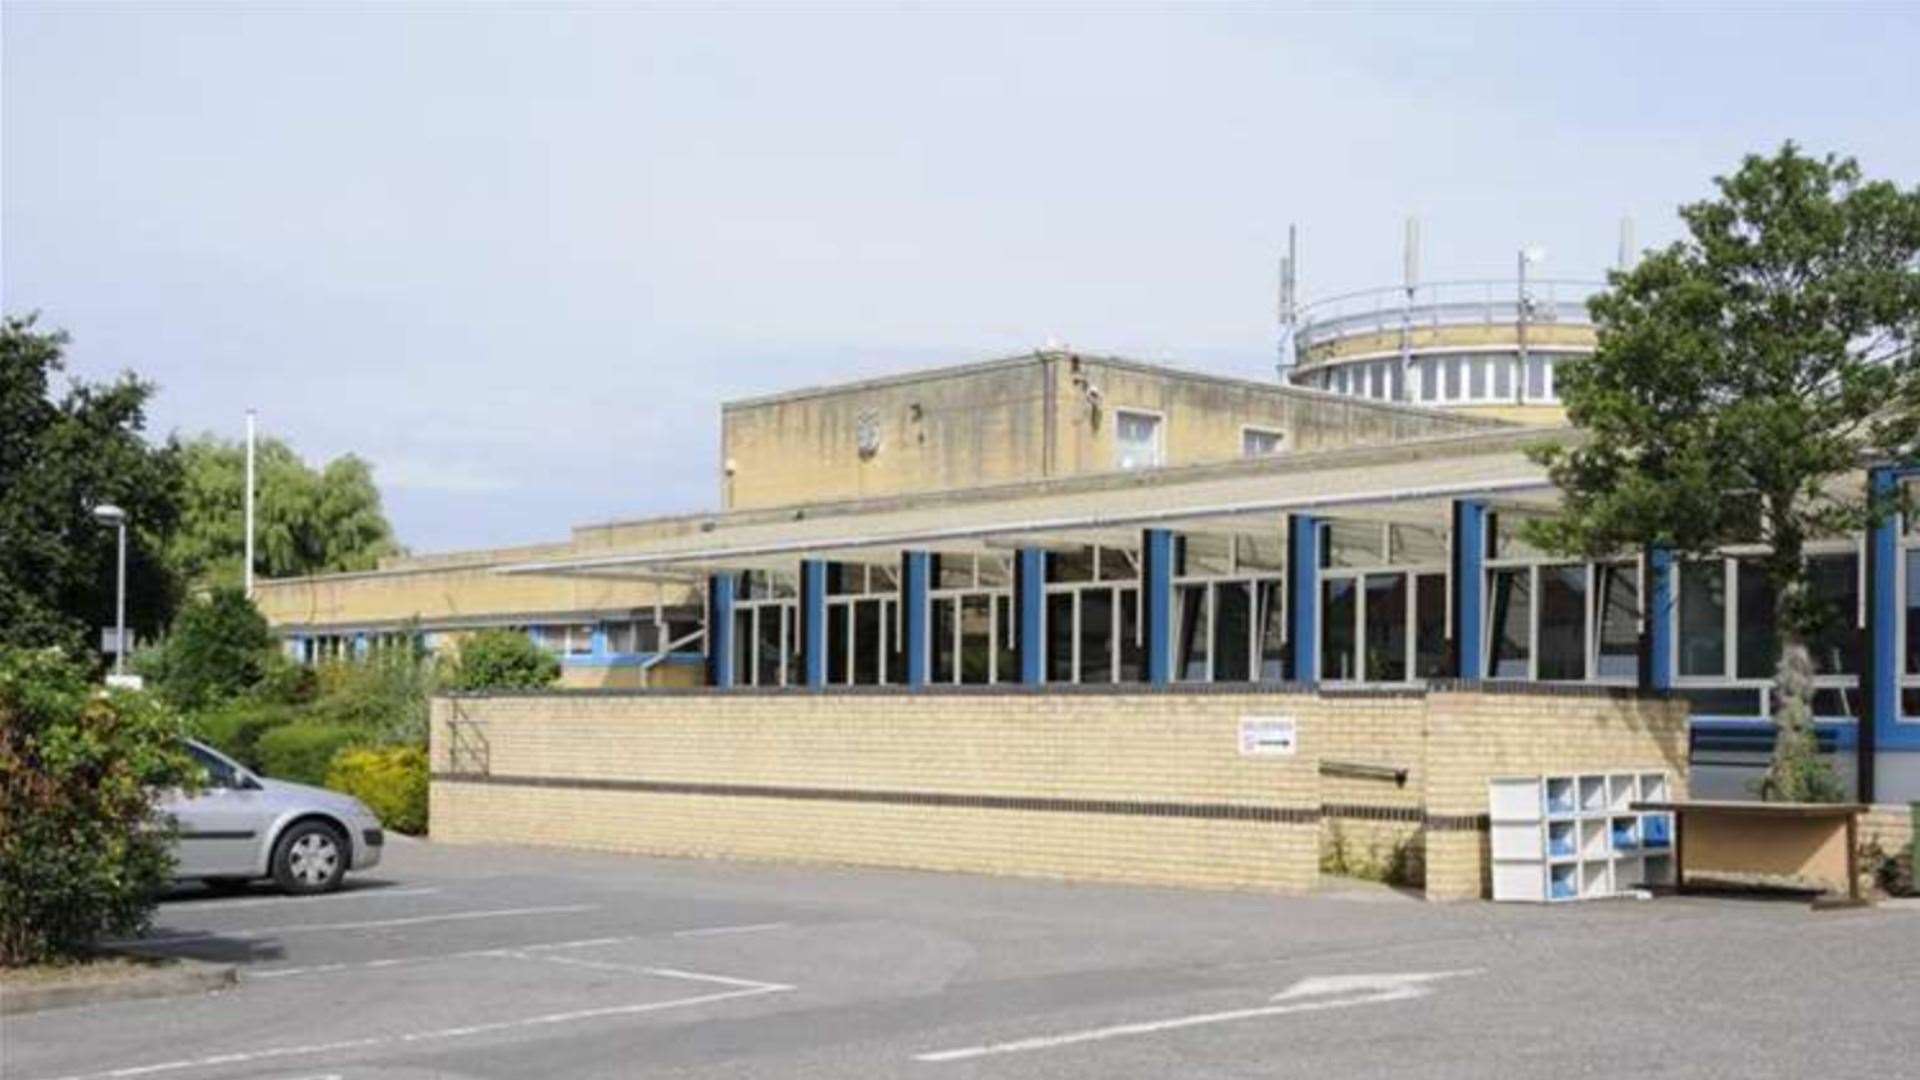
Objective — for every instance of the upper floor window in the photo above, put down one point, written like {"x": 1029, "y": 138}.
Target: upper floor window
{"x": 1261, "y": 442}
{"x": 1137, "y": 440}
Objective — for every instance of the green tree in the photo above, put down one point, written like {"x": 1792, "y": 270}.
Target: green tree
{"x": 62, "y": 453}
{"x": 218, "y": 648}
{"x": 80, "y": 853}
{"x": 502, "y": 660}
{"x": 1742, "y": 375}
{"x": 307, "y": 521}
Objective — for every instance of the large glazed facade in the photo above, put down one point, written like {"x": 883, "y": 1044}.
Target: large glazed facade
{"x": 1061, "y": 519}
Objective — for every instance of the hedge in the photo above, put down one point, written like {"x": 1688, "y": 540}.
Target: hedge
{"x": 391, "y": 780}
{"x": 301, "y": 751}
{"x": 236, "y": 728}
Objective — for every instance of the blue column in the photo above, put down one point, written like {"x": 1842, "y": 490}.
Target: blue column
{"x": 1882, "y": 676}
{"x": 720, "y": 630}
{"x": 1303, "y": 595}
{"x": 1660, "y": 619}
{"x": 916, "y": 578}
{"x": 1156, "y": 603}
{"x": 1470, "y": 537}
{"x": 813, "y": 621}
{"x": 1029, "y": 577}
{"x": 360, "y": 646}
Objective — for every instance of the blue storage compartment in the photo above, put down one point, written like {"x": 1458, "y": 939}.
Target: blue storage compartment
{"x": 1656, "y": 831}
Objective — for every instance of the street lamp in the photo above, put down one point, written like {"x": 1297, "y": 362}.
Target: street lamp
{"x": 113, "y": 517}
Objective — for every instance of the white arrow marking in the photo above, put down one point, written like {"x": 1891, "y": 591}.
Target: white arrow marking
{"x": 1328, "y": 992}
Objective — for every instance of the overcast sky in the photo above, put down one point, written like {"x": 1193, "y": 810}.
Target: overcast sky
{"x": 516, "y": 256}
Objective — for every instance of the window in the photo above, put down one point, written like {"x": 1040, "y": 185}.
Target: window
{"x": 1563, "y": 622}
{"x": 1386, "y": 629}
{"x": 1377, "y": 378}
{"x": 1193, "y": 629}
{"x": 941, "y": 619}
{"x": 1338, "y": 610}
{"x": 1260, "y": 442}
{"x": 1834, "y": 581}
{"x": 1137, "y": 439}
{"x": 1429, "y": 380}
{"x": 1617, "y": 618}
{"x": 1430, "y": 626}
{"x": 1096, "y": 636}
{"x": 1512, "y": 624}
{"x": 976, "y": 639}
{"x": 1502, "y": 378}
{"x": 1060, "y": 637}
{"x": 1703, "y": 618}
{"x": 1755, "y": 653}
{"x": 1477, "y": 377}
{"x": 1536, "y": 378}
{"x": 1452, "y": 365}
{"x": 1233, "y": 631}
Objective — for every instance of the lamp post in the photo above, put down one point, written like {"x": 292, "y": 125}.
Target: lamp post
{"x": 115, "y": 518}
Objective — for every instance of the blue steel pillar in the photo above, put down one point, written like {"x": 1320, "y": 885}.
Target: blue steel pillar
{"x": 813, "y": 621}
{"x": 1029, "y": 606}
{"x": 916, "y": 578}
{"x": 1880, "y": 726}
{"x": 1657, "y": 670}
{"x": 1156, "y": 603}
{"x": 1471, "y": 533}
{"x": 1303, "y": 595}
{"x": 720, "y": 630}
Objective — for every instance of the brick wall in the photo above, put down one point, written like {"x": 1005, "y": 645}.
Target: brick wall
{"x": 1085, "y": 784}
{"x": 1888, "y": 827}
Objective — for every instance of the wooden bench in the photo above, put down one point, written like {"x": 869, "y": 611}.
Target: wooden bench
{"x": 1810, "y": 841}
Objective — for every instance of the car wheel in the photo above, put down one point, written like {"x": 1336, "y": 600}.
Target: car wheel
{"x": 311, "y": 857}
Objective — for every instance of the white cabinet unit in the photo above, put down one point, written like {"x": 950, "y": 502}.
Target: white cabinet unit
{"x": 1576, "y": 837}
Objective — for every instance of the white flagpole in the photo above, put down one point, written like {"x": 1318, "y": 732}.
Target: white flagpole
{"x": 249, "y": 572}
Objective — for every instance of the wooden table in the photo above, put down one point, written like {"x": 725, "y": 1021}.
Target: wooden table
{"x": 1813, "y": 841}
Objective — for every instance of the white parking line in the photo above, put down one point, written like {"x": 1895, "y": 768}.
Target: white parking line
{"x": 273, "y": 901}
{"x": 468, "y": 954}
{"x": 371, "y": 924}
{"x": 276, "y": 1052}
{"x": 750, "y": 928}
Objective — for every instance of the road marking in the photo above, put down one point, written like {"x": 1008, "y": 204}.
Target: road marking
{"x": 1338, "y": 992}
{"x": 371, "y": 924}
{"x": 549, "y": 1019}
{"x": 276, "y": 901}
{"x": 712, "y": 931}
{"x": 469, "y": 954}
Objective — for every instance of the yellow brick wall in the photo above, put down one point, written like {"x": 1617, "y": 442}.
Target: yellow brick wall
{"x": 1387, "y": 730}
{"x": 1888, "y": 828}
{"x": 1474, "y": 735}
{"x": 1131, "y": 749}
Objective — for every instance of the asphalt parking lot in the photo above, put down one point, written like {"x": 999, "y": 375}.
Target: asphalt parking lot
{"x": 510, "y": 963}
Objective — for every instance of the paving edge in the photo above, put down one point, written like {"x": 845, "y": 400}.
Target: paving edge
{"x": 184, "y": 977}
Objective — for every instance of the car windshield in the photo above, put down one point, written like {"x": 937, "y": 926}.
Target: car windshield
{"x": 221, "y": 773}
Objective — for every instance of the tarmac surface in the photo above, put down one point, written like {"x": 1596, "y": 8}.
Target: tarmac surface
{"x": 499, "y": 963}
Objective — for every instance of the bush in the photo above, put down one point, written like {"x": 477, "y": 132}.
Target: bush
{"x": 503, "y": 660}
{"x": 385, "y": 695}
{"x": 217, "y": 649}
{"x": 236, "y": 728}
{"x": 80, "y": 853}
{"x": 301, "y": 751}
{"x": 391, "y": 780}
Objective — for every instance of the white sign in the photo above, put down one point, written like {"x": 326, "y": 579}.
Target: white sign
{"x": 1268, "y": 736}
{"x": 126, "y": 682}
{"x": 110, "y": 640}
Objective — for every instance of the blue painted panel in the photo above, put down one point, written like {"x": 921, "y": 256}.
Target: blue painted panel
{"x": 1030, "y": 576}
{"x": 813, "y": 619}
{"x": 1156, "y": 603}
{"x": 1303, "y": 594}
{"x": 916, "y": 570}
{"x": 1469, "y": 587}
{"x": 1660, "y": 618}
{"x": 720, "y": 589}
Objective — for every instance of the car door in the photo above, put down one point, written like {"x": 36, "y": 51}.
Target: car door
{"x": 219, "y": 828}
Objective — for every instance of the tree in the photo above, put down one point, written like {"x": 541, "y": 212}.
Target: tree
{"x": 307, "y": 521}
{"x": 502, "y": 660}
{"x": 61, "y": 456}
{"x": 218, "y": 648}
{"x": 80, "y": 853}
{"x": 1743, "y": 374}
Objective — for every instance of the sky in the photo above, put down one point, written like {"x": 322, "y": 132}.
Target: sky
{"x": 516, "y": 255}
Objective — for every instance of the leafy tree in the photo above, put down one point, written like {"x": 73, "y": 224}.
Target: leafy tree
{"x": 62, "y": 453}
{"x": 502, "y": 660}
{"x": 219, "y": 648}
{"x": 1742, "y": 375}
{"x": 80, "y": 856}
{"x": 306, "y": 521}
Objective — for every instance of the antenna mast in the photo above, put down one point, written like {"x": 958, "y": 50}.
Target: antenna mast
{"x": 1289, "y": 309}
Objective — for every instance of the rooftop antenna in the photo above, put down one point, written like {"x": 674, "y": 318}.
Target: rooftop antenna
{"x": 1404, "y": 377}
{"x": 1289, "y": 310}
{"x": 1628, "y": 254}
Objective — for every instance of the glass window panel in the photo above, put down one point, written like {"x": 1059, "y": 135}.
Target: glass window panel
{"x": 1136, "y": 439}
{"x": 1273, "y": 653}
{"x": 1355, "y": 543}
{"x": 1430, "y": 626}
{"x": 1096, "y": 636}
{"x": 994, "y": 571}
{"x": 1477, "y": 377}
{"x": 953, "y": 572}
{"x": 1260, "y": 442}
{"x": 1118, "y": 564}
{"x": 1259, "y": 552}
{"x": 1191, "y": 624}
{"x": 1072, "y": 565}
{"x": 1386, "y": 629}
{"x": 1006, "y": 656}
{"x": 1233, "y": 632}
{"x": 1502, "y": 377}
{"x": 1563, "y": 622}
{"x": 1536, "y": 378}
{"x": 976, "y": 639}
{"x": 1834, "y": 582}
{"x": 1913, "y": 612}
{"x": 867, "y": 642}
{"x": 1756, "y": 647}
{"x": 743, "y": 646}
{"x": 1205, "y": 553}
{"x": 771, "y": 636}
{"x": 1835, "y": 703}
{"x": 895, "y": 644}
{"x": 622, "y": 639}
{"x": 837, "y": 623}
{"x": 1703, "y": 618}
{"x": 1133, "y": 651}
{"x": 1617, "y": 616}
{"x": 942, "y": 639}
{"x": 1417, "y": 545}
{"x": 1718, "y": 701}
{"x": 683, "y": 623}
{"x": 1378, "y": 381}
{"x": 1451, "y": 364}
{"x": 1512, "y": 624}
{"x": 1060, "y": 637}
{"x": 1338, "y": 610}
{"x": 1429, "y": 380}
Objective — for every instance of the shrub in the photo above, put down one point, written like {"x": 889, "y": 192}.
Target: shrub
{"x": 81, "y": 853}
{"x": 217, "y": 649}
{"x": 383, "y": 694}
{"x": 503, "y": 660}
{"x": 237, "y": 727}
{"x": 391, "y": 780}
{"x": 301, "y": 751}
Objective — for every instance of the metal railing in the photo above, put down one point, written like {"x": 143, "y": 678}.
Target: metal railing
{"x": 469, "y": 753}
{"x": 1443, "y": 303}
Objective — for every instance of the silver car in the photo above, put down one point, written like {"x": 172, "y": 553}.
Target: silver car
{"x": 244, "y": 827}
